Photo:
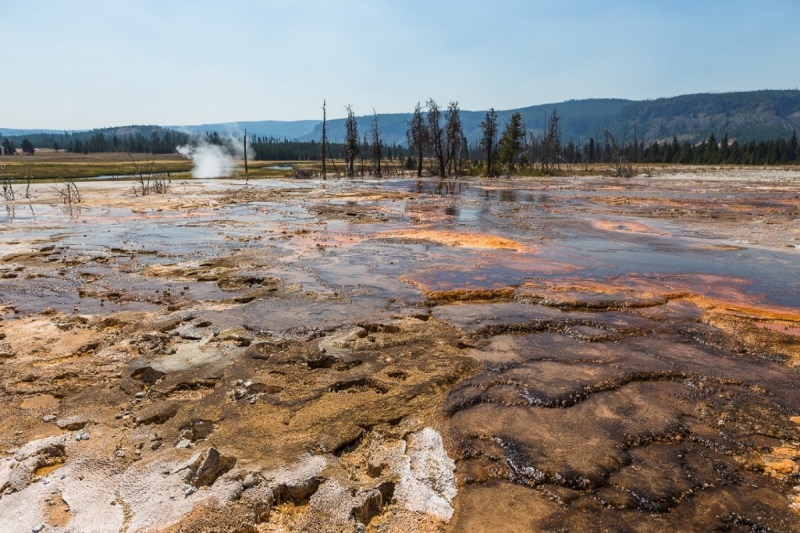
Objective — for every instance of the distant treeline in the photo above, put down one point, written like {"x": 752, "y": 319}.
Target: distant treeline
{"x": 273, "y": 149}
{"x": 436, "y": 138}
{"x": 715, "y": 152}
{"x": 158, "y": 141}
{"x": 711, "y": 151}
{"x": 514, "y": 149}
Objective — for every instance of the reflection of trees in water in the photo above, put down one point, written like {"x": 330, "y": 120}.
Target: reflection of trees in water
{"x": 71, "y": 210}
{"x": 440, "y": 187}
{"x": 11, "y": 212}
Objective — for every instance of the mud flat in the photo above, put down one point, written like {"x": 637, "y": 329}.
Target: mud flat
{"x": 558, "y": 354}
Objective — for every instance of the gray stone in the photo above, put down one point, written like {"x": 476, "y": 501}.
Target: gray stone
{"x": 250, "y": 481}
{"x": 72, "y": 423}
{"x": 157, "y": 414}
{"x": 208, "y": 467}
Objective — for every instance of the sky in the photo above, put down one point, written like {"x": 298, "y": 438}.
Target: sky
{"x": 96, "y": 63}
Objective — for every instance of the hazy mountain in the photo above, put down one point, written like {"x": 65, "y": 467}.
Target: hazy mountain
{"x": 759, "y": 115}
{"x": 263, "y": 128}
{"x": 751, "y": 115}
{"x": 578, "y": 118}
{"x": 11, "y": 132}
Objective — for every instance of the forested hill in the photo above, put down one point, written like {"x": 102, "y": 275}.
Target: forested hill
{"x": 141, "y": 139}
{"x": 759, "y": 115}
{"x": 578, "y": 117}
{"x": 744, "y": 116}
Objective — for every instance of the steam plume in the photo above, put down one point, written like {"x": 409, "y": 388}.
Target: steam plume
{"x": 214, "y": 160}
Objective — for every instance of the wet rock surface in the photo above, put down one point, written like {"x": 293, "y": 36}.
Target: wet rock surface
{"x": 401, "y": 355}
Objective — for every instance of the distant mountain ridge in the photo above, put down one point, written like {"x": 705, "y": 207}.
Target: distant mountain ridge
{"x": 293, "y": 129}
{"x": 746, "y": 116}
{"x": 754, "y": 115}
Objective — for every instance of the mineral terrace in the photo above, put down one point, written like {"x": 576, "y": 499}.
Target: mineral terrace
{"x": 403, "y": 355}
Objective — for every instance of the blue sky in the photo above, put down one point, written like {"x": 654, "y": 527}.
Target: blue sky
{"x": 88, "y": 63}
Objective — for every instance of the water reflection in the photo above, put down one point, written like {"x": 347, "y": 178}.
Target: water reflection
{"x": 439, "y": 188}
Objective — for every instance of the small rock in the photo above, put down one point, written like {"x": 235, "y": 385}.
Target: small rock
{"x": 248, "y": 384}
{"x": 82, "y": 436}
{"x": 250, "y": 481}
{"x": 188, "y": 490}
{"x": 157, "y": 414}
{"x": 185, "y": 443}
{"x": 46, "y": 482}
{"x": 208, "y": 467}
{"x": 49, "y": 418}
{"x": 120, "y": 453}
{"x": 72, "y": 423}
{"x": 139, "y": 395}
{"x": 38, "y": 528}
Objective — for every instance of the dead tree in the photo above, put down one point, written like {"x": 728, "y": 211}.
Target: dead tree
{"x": 351, "y": 148}
{"x": 246, "y": 174}
{"x": 454, "y": 133}
{"x": 69, "y": 194}
{"x": 623, "y": 167}
{"x": 417, "y": 137}
{"x": 333, "y": 161}
{"x": 376, "y": 144}
{"x": 364, "y": 150}
{"x": 551, "y": 144}
{"x": 8, "y": 188}
{"x": 436, "y": 135}
{"x": 144, "y": 183}
{"x": 28, "y": 177}
{"x": 324, "y": 142}
{"x": 148, "y": 180}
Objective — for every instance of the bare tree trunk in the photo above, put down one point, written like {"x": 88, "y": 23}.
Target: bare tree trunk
{"x": 333, "y": 161}
{"x": 324, "y": 138}
{"x": 246, "y": 173}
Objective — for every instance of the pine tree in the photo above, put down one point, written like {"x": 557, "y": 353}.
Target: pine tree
{"x": 489, "y": 138}
{"x": 8, "y": 147}
{"x": 793, "y": 154}
{"x": 375, "y": 134}
{"x": 511, "y": 141}
{"x": 27, "y": 147}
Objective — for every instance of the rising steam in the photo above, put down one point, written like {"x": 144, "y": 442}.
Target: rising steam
{"x": 214, "y": 159}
